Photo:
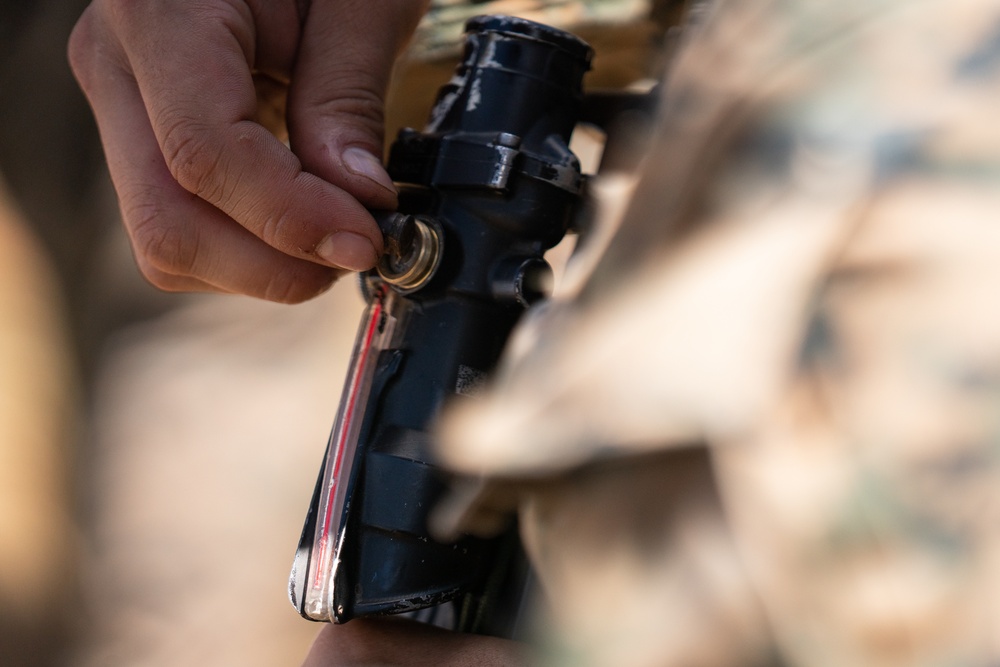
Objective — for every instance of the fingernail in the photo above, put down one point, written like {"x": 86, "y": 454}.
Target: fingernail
{"x": 362, "y": 163}
{"x": 347, "y": 250}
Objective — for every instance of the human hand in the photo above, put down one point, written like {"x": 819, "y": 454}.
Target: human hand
{"x": 210, "y": 198}
{"x": 399, "y": 642}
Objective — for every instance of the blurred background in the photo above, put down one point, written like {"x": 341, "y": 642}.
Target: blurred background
{"x": 158, "y": 451}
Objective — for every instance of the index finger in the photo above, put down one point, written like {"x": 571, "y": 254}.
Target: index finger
{"x": 193, "y": 67}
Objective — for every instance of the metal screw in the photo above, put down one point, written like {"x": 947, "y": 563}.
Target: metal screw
{"x": 412, "y": 251}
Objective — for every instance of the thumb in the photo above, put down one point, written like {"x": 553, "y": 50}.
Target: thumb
{"x": 336, "y": 100}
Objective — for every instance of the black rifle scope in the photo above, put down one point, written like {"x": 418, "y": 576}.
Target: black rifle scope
{"x": 485, "y": 189}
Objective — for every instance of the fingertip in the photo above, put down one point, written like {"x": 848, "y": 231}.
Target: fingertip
{"x": 347, "y": 250}
{"x": 352, "y": 168}
{"x": 362, "y": 163}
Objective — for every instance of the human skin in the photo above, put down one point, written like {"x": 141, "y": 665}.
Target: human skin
{"x": 210, "y": 198}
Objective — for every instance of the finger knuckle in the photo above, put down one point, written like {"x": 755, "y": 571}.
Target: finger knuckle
{"x": 83, "y": 49}
{"x": 294, "y": 288}
{"x": 123, "y": 10}
{"x": 356, "y": 93}
{"x": 281, "y": 230}
{"x": 360, "y": 102}
{"x": 80, "y": 46}
{"x": 160, "y": 244}
{"x": 160, "y": 280}
{"x": 194, "y": 158}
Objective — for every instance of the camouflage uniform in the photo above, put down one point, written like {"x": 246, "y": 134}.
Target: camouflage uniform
{"x": 765, "y": 428}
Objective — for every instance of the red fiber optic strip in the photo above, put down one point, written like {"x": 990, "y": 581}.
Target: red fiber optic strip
{"x": 352, "y": 398}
